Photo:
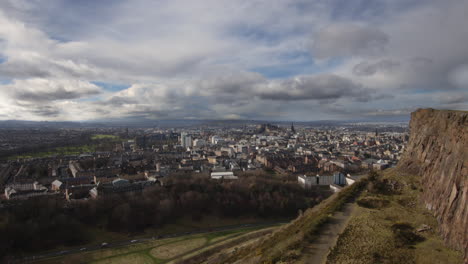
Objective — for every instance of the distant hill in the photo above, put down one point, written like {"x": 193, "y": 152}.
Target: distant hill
{"x": 178, "y": 123}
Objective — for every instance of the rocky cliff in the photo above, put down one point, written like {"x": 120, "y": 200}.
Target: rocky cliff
{"x": 438, "y": 152}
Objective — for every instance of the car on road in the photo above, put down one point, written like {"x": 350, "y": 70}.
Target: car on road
{"x": 104, "y": 244}
{"x": 133, "y": 241}
{"x": 81, "y": 249}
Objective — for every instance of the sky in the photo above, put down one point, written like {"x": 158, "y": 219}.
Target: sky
{"x": 302, "y": 60}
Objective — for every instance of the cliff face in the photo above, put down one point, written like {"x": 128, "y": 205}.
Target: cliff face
{"x": 438, "y": 152}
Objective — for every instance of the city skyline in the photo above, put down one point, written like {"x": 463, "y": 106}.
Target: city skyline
{"x": 233, "y": 60}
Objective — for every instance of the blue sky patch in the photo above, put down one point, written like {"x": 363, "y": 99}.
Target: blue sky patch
{"x": 5, "y": 81}
{"x": 301, "y": 63}
{"x": 112, "y": 86}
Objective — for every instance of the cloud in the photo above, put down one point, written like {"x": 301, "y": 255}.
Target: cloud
{"x": 453, "y": 98}
{"x": 243, "y": 59}
{"x": 46, "y": 90}
{"x": 390, "y": 112}
{"x": 341, "y": 40}
{"x": 318, "y": 87}
{"x": 459, "y": 76}
{"x": 367, "y": 68}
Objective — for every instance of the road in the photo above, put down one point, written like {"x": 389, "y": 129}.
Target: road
{"x": 122, "y": 243}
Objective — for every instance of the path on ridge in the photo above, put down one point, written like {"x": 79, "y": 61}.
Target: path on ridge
{"x": 317, "y": 251}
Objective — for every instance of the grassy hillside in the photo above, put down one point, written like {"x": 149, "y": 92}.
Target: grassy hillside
{"x": 388, "y": 225}
{"x": 288, "y": 243}
{"x": 384, "y": 228}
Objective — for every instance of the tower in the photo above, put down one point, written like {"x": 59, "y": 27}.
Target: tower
{"x": 185, "y": 140}
{"x": 292, "y": 128}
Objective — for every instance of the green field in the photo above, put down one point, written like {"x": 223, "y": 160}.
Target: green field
{"x": 76, "y": 150}
{"x": 105, "y": 136}
{"x": 157, "y": 251}
{"x": 72, "y": 150}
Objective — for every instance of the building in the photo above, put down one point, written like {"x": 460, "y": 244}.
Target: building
{"x": 121, "y": 186}
{"x": 199, "y": 143}
{"x": 309, "y": 181}
{"x": 226, "y": 175}
{"x": 24, "y": 190}
{"x": 215, "y": 140}
{"x": 55, "y": 185}
{"x": 185, "y": 140}
{"x": 380, "y": 165}
{"x": 339, "y": 178}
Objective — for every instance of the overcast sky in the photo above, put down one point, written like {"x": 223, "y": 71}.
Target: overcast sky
{"x": 231, "y": 59}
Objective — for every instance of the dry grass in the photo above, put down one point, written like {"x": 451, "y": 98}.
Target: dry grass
{"x": 86, "y": 257}
{"x": 370, "y": 238}
{"x": 135, "y": 258}
{"x": 287, "y": 243}
{"x": 214, "y": 252}
{"x": 175, "y": 245}
{"x": 171, "y": 250}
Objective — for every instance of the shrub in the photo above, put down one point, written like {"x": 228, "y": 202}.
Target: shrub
{"x": 373, "y": 202}
{"x": 404, "y": 236}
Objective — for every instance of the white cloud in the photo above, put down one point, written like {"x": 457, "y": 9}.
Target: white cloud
{"x": 226, "y": 59}
{"x": 347, "y": 39}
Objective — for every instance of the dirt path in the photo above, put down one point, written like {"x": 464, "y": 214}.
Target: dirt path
{"x": 317, "y": 252}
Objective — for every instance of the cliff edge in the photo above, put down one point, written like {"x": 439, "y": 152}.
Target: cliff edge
{"x": 438, "y": 152}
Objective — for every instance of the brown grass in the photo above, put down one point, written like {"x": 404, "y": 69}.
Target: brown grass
{"x": 387, "y": 234}
{"x": 169, "y": 251}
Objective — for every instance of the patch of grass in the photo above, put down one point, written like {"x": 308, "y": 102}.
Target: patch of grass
{"x": 404, "y": 235}
{"x": 171, "y": 250}
{"x": 372, "y": 202}
{"x": 60, "y": 151}
{"x": 136, "y": 258}
{"x": 105, "y": 136}
{"x": 172, "y": 246}
{"x": 215, "y": 237}
{"x": 217, "y": 252}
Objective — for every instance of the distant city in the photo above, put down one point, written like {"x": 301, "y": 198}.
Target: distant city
{"x": 81, "y": 163}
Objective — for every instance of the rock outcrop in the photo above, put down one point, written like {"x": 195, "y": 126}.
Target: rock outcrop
{"x": 438, "y": 152}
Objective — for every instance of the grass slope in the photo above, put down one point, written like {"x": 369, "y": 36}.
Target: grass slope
{"x": 288, "y": 243}
{"x": 383, "y": 229}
